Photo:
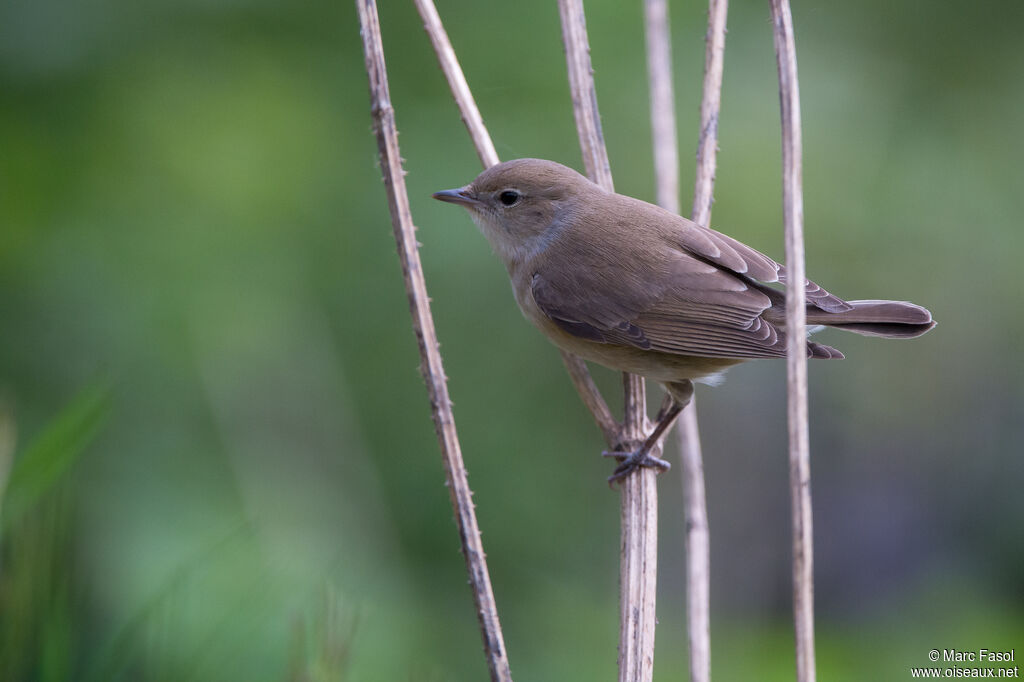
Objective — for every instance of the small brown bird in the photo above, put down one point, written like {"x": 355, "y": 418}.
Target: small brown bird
{"x": 633, "y": 287}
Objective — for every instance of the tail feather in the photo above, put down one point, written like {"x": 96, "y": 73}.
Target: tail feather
{"x": 890, "y": 319}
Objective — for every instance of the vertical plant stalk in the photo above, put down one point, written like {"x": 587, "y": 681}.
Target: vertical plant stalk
{"x": 577, "y": 369}
{"x": 423, "y": 325}
{"x": 796, "y": 347}
{"x": 639, "y": 547}
{"x": 698, "y": 547}
{"x": 663, "y": 107}
{"x": 698, "y": 537}
{"x": 710, "y": 105}
{"x": 666, "y": 173}
{"x": 698, "y": 555}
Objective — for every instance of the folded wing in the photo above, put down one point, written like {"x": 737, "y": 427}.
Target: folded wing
{"x": 695, "y": 296}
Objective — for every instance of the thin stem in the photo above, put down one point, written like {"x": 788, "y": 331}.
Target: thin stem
{"x": 578, "y": 372}
{"x": 584, "y": 94}
{"x": 638, "y": 561}
{"x": 423, "y": 325}
{"x": 663, "y": 108}
{"x": 591, "y": 397}
{"x": 710, "y": 105}
{"x": 698, "y": 537}
{"x": 666, "y": 162}
{"x": 698, "y": 547}
{"x": 796, "y": 347}
{"x": 457, "y": 83}
{"x": 638, "y": 571}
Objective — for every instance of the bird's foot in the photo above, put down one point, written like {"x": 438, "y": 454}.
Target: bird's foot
{"x": 630, "y": 461}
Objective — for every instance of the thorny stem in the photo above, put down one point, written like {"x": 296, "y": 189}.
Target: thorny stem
{"x": 423, "y": 325}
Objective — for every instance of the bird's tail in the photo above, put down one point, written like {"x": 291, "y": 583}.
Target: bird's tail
{"x": 891, "y": 319}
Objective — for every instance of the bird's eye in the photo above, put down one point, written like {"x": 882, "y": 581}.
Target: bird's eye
{"x": 509, "y": 197}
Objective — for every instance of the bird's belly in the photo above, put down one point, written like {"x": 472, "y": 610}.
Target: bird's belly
{"x": 663, "y": 367}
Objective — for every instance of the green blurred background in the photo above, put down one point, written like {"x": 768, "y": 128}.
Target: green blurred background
{"x": 224, "y": 466}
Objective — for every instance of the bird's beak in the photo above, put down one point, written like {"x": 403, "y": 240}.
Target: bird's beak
{"x": 462, "y": 195}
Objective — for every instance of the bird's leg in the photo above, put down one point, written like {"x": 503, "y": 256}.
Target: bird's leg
{"x": 642, "y": 457}
{"x": 676, "y": 398}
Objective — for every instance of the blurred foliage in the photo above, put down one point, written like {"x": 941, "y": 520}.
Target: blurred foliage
{"x": 191, "y": 204}
{"x": 46, "y": 461}
{"x": 36, "y": 608}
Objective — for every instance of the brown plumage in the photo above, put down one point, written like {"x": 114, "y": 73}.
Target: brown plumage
{"x": 609, "y": 270}
{"x": 636, "y": 288}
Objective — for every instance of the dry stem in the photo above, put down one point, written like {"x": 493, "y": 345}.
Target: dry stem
{"x": 638, "y": 565}
{"x": 457, "y": 82}
{"x": 584, "y": 94}
{"x": 698, "y": 548}
{"x": 711, "y": 103}
{"x": 578, "y": 372}
{"x": 796, "y": 356}
{"x": 591, "y": 397}
{"x": 698, "y": 569}
{"x": 663, "y": 108}
{"x": 666, "y": 167}
{"x": 698, "y": 541}
{"x": 423, "y": 324}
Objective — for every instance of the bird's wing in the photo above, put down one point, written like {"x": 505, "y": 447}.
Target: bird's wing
{"x": 737, "y": 257}
{"x": 686, "y": 306}
{"x": 677, "y": 287}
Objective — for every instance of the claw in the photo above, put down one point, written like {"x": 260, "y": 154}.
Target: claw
{"x": 630, "y": 461}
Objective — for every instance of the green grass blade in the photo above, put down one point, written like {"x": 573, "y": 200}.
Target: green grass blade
{"x": 52, "y": 453}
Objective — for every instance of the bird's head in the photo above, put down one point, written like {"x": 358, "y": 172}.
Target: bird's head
{"x": 520, "y": 204}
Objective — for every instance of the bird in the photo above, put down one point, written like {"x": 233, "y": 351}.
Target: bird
{"x": 631, "y": 286}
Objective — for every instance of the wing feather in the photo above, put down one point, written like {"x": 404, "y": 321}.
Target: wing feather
{"x": 734, "y": 255}
{"x": 678, "y": 288}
